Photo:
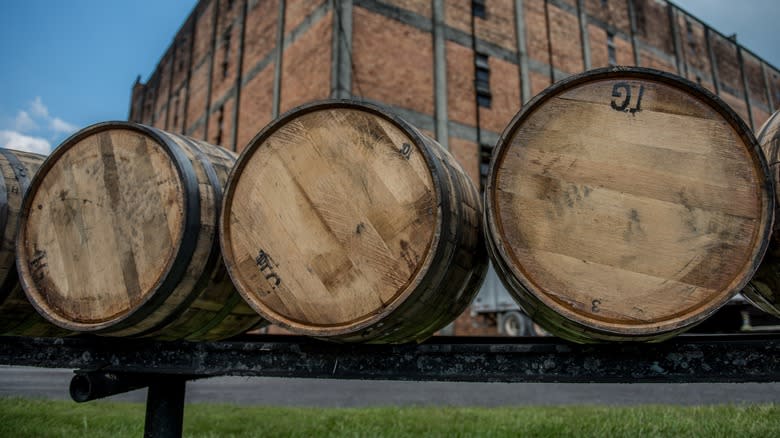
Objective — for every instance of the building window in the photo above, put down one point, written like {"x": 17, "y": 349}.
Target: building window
{"x": 482, "y": 80}
{"x": 689, "y": 35}
{"x": 485, "y": 152}
{"x": 611, "y": 51}
{"x": 226, "y": 51}
{"x": 604, "y": 4}
{"x": 639, "y": 14}
{"x": 478, "y": 8}
{"x": 230, "y": 4}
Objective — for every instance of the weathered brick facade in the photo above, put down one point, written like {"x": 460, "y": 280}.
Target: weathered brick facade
{"x": 236, "y": 64}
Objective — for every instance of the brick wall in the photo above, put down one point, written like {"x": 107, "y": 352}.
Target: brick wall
{"x": 498, "y": 26}
{"x": 306, "y": 66}
{"x": 460, "y": 84}
{"x": 393, "y": 62}
{"x": 505, "y": 89}
{"x": 613, "y": 13}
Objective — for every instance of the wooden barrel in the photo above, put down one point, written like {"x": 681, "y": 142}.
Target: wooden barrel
{"x": 626, "y": 204}
{"x": 118, "y": 236}
{"x": 342, "y": 221}
{"x": 764, "y": 289}
{"x": 17, "y": 316}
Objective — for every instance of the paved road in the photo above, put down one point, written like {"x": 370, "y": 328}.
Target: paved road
{"x": 53, "y": 384}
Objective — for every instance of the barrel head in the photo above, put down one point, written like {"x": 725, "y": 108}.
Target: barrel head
{"x": 101, "y": 226}
{"x": 628, "y": 202}
{"x": 328, "y": 219}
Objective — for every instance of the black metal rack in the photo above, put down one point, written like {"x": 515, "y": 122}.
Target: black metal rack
{"x": 106, "y": 366}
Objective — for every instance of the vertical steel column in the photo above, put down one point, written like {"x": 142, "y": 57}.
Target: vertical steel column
{"x": 476, "y": 92}
{"x": 713, "y": 61}
{"x": 745, "y": 87}
{"x": 440, "y": 73}
{"x": 279, "y": 59}
{"x": 769, "y": 99}
{"x": 549, "y": 40}
{"x": 522, "y": 53}
{"x": 672, "y": 13}
{"x": 186, "y": 104}
{"x": 239, "y": 75}
{"x": 214, "y": 19}
{"x": 582, "y": 18}
{"x": 632, "y": 24}
{"x": 174, "y": 47}
{"x": 341, "y": 61}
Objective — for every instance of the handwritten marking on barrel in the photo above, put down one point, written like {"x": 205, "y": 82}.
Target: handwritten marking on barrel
{"x": 624, "y": 106}
{"x": 38, "y": 264}
{"x": 267, "y": 265}
{"x": 595, "y": 306}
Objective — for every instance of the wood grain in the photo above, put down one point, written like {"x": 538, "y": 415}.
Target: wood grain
{"x": 17, "y": 315}
{"x": 119, "y": 236}
{"x": 334, "y": 220}
{"x": 626, "y": 205}
{"x": 764, "y": 288}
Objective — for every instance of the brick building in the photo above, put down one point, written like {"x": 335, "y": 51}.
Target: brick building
{"x": 459, "y": 70}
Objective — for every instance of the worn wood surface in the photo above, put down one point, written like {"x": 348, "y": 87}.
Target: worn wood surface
{"x": 119, "y": 236}
{"x": 625, "y": 205}
{"x": 343, "y": 222}
{"x": 17, "y": 315}
{"x": 764, "y": 288}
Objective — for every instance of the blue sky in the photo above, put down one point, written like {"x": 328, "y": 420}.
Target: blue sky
{"x": 69, "y": 64}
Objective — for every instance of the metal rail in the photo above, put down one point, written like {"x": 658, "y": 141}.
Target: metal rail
{"x": 687, "y": 358}
{"x": 108, "y": 366}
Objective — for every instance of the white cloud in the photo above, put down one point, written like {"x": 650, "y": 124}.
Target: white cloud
{"x": 38, "y": 108}
{"x": 60, "y": 126}
{"x": 21, "y": 142}
{"x": 48, "y": 129}
{"x": 24, "y": 122}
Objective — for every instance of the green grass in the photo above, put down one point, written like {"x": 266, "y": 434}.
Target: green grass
{"x": 38, "y": 418}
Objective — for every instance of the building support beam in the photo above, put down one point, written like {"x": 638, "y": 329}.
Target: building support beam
{"x": 341, "y": 59}
{"x": 190, "y": 67}
{"x": 745, "y": 88}
{"x": 522, "y": 53}
{"x": 713, "y": 61}
{"x": 672, "y": 12}
{"x": 582, "y": 18}
{"x": 440, "y": 73}
{"x": 549, "y": 40}
{"x": 632, "y": 24}
{"x": 214, "y": 40}
{"x": 174, "y": 49}
{"x": 279, "y": 59}
{"x": 239, "y": 74}
{"x": 769, "y": 100}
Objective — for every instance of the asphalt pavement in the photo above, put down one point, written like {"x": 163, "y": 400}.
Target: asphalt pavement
{"x": 53, "y": 384}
